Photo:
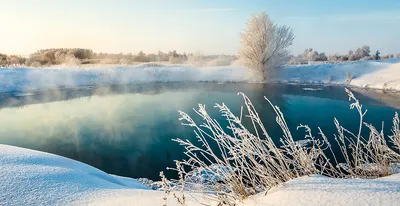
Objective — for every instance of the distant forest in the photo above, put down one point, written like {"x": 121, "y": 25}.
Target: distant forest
{"x": 78, "y": 56}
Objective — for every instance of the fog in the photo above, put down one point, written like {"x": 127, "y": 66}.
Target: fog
{"x": 25, "y": 79}
{"x": 110, "y": 116}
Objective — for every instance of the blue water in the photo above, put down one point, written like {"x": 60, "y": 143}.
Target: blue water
{"x": 127, "y": 130}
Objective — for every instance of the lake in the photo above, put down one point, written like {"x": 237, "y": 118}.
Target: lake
{"x": 127, "y": 130}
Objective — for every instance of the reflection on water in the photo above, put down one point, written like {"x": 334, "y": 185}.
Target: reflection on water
{"x": 128, "y": 130}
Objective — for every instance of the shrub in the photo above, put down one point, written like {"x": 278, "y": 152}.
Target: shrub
{"x": 35, "y": 64}
{"x": 349, "y": 77}
{"x": 220, "y": 61}
{"x": 71, "y": 60}
{"x": 196, "y": 59}
{"x": 176, "y": 60}
{"x": 125, "y": 61}
{"x": 344, "y": 58}
{"x": 334, "y": 58}
{"x": 312, "y": 55}
{"x": 388, "y": 56}
{"x": 330, "y": 79}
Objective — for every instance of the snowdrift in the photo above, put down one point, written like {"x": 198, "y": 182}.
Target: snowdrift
{"x": 29, "y": 177}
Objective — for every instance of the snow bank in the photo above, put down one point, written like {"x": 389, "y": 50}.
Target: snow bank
{"x": 29, "y": 177}
{"x": 320, "y": 190}
{"x": 370, "y": 74}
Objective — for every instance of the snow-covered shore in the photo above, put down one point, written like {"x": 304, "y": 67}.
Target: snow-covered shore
{"x": 365, "y": 74}
{"x": 29, "y": 177}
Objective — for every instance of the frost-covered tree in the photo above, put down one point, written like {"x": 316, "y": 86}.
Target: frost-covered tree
{"x": 322, "y": 57}
{"x": 313, "y": 55}
{"x": 334, "y": 57}
{"x": 388, "y": 56}
{"x": 310, "y": 54}
{"x": 362, "y": 52}
{"x": 377, "y": 57}
{"x": 196, "y": 59}
{"x": 264, "y": 45}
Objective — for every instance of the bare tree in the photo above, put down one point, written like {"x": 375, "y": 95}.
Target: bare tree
{"x": 264, "y": 45}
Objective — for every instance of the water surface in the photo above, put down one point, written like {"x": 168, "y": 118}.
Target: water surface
{"x": 127, "y": 130}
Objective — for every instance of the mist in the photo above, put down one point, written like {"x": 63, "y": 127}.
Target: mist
{"x": 23, "y": 79}
{"x": 108, "y": 115}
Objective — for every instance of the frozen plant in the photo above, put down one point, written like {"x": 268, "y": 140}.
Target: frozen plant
{"x": 264, "y": 45}
{"x": 330, "y": 79}
{"x": 248, "y": 162}
{"x": 349, "y": 77}
{"x": 230, "y": 164}
{"x": 395, "y": 138}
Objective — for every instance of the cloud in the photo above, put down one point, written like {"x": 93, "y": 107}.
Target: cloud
{"x": 207, "y": 10}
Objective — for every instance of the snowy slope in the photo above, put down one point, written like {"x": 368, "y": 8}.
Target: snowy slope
{"x": 370, "y": 74}
{"x": 320, "y": 190}
{"x": 30, "y": 177}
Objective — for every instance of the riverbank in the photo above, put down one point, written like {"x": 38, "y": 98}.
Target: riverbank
{"x": 383, "y": 75}
{"x": 380, "y": 75}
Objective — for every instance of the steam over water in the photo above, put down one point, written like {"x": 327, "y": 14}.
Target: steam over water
{"x": 127, "y": 130}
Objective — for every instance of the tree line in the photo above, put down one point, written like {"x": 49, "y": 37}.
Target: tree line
{"x": 362, "y": 53}
{"x": 77, "y": 56}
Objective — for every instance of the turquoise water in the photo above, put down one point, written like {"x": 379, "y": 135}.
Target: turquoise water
{"x": 127, "y": 130}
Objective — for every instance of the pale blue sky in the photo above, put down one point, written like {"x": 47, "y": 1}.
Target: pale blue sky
{"x": 208, "y": 26}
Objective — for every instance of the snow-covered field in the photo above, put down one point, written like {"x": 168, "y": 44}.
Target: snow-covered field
{"x": 365, "y": 74}
{"x": 370, "y": 74}
{"x": 29, "y": 177}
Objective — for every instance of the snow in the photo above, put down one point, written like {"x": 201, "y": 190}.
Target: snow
{"x": 371, "y": 74}
{"x": 365, "y": 74}
{"x": 320, "y": 190}
{"x": 29, "y": 177}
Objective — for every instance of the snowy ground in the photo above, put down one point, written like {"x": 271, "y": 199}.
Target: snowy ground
{"x": 29, "y": 177}
{"x": 365, "y": 74}
{"x": 370, "y": 74}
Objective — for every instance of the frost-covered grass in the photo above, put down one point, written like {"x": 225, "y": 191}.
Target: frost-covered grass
{"x": 233, "y": 163}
